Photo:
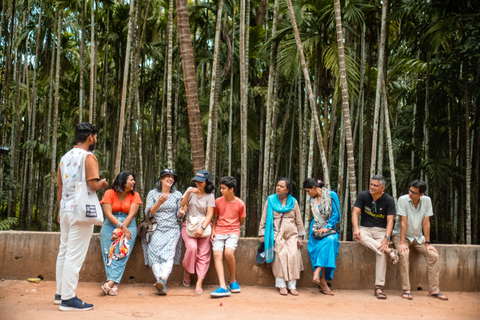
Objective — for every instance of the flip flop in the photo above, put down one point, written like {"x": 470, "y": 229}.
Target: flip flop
{"x": 185, "y": 282}
{"x": 198, "y": 291}
{"x": 328, "y": 293}
{"x": 316, "y": 281}
{"x": 283, "y": 291}
{"x": 395, "y": 258}
{"x": 106, "y": 289}
{"x": 407, "y": 295}
{"x": 439, "y": 296}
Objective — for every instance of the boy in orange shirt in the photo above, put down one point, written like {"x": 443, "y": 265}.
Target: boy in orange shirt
{"x": 230, "y": 214}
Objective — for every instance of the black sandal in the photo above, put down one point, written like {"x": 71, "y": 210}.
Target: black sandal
{"x": 379, "y": 295}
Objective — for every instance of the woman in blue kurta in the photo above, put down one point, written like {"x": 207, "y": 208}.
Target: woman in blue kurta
{"x": 326, "y": 213}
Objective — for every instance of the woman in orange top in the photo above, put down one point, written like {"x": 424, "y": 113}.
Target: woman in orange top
{"x": 120, "y": 205}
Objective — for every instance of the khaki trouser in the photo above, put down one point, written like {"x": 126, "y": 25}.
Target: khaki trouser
{"x": 371, "y": 238}
{"x": 404, "y": 264}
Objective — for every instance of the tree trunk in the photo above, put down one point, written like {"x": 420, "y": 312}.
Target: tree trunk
{"x": 269, "y": 112}
{"x": 92, "y": 60}
{"x": 230, "y": 112}
{"x": 326, "y": 174}
{"x": 346, "y": 109}
{"x": 380, "y": 68}
{"x": 389, "y": 144}
{"x": 53, "y": 164}
{"x": 188, "y": 64}
{"x": 169, "y": 85}
{"x": 243, "y": 104}
{"x": 124, "y": 91}
{"x": 301, "y": 147}
{"x": 468, "y": 166}
{"x": 213, "y": 107}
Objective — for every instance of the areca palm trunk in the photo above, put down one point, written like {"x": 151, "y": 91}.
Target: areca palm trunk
{"x": 213, "y": 109}
{"x": 346, "y": 108}
{"x": 301, "y": 166}
{"x": 190, "y": 82}
{"x": 380, "y": 68}
{"x": 92, "y": 60}
{"x": 308, "y": 84}
{"x": 53, "y": 163}
{"x": 389, "y": 143}
{"x": 230, "y": 113}
{"x": 243, "y": 105}
{"x": 169, "y": 85}
{"x": 268, "y": 116}
{"x": 468, "y": 166}
{"x": 82, "y": 65}
{"x": 124, "y": 91}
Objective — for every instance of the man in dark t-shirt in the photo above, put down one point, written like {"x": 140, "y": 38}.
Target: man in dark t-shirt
{"x": 377, "y": 211}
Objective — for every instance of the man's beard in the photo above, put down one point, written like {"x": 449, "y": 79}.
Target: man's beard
{"x": 91, "y": 147}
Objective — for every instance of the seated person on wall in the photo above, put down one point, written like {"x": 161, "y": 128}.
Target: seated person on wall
{"x": 119, "y": 231}
{"x": 229, "y": 214}
{"x": 281, "y": 228}
{"x": 323, "y": 251}
{"x": 377, "y": 210}
{"x": 414, "y": 210}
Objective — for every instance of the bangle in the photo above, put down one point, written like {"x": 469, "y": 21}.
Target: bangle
{"x": 119, "y": 224}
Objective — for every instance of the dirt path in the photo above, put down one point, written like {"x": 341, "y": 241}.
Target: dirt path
{"x": 24, "y": 300}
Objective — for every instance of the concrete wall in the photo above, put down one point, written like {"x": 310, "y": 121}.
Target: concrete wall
{"x": 30, "y": 254}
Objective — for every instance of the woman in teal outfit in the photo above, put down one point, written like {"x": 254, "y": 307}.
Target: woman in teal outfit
{"x": 326, "y": 213}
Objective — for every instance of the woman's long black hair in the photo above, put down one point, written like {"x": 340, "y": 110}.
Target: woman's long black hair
{"x": 120, "y": 181}
{"x": 209, "y": 186}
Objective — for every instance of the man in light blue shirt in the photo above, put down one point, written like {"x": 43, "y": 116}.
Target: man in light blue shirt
{"x": 414, "y": 210}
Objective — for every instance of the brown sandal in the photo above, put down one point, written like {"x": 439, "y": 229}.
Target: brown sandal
{"x": 283, "y": 291}
{"x": 379, "y": 295}
{"x": 293, "y": 292}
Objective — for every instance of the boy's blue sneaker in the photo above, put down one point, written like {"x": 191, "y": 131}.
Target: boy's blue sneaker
{"x": 220, "y": 292}
{"x": 58, "y": 299}
{"x": 235, "y": 287}
{"x": 75, "y": 304}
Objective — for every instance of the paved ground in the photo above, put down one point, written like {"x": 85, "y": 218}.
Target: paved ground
{"x": 24, "y": 300}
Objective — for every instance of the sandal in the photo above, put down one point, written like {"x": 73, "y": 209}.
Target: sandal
{"x": 185, "y": 282}
{"x": 395, "y": 258}
{"x": 379, "y": 295}
{"x": 113, "y": 291}
{"x": 439, "y": 296}
{"x": 106, "y": 289}
{"x": 293, "y": 292}
{"x": 198, "y": 291}
{"x": 283, "y": 291}
{"x": 407, "y": 295}
{"x": 316, "y": 281}
{"x": 327, "y": 292}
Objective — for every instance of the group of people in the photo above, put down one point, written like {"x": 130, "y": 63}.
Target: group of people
{"x": 207, "y": 224}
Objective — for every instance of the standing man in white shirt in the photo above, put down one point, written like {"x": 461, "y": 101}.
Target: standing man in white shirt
{"x": 414, "y": 210}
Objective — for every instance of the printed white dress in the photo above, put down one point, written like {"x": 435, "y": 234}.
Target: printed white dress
{"x": 166, "y": 236}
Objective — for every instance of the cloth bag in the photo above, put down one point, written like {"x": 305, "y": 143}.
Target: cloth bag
{"x": 193, "y": 223}
{"x": 87, "y": 209}
{"x": 146, "y": 228}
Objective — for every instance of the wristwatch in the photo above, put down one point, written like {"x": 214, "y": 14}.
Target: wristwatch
{"x": 428, "y": 242}
{"x": 203, "y": 227}
{"x": 387, "y": 237}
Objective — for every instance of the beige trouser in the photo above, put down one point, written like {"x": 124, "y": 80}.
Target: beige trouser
{"x": 404, "y": 264}
{"x": 371, "y": 238}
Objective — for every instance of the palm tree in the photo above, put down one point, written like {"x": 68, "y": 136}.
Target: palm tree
{"x": 346, "y": 109}
{"x": 190, "y": 82}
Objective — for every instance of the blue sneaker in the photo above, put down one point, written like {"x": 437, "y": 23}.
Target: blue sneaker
{"x": 235, "y": 287}
{"x": 58, "y": 299}
{"x": 220, "y": 292}
{"x": 161, "y": 286}
{"x": 75, "y": 304}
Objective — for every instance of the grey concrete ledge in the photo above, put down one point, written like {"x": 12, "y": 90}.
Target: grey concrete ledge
{"x": 29, "y": 254}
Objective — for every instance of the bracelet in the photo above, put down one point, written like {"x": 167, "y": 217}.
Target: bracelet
{"x": 428, "y": 242}
{"x": 203, "y": 227}
{"x": 119, "y": 224}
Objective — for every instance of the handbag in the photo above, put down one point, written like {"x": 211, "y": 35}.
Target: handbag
{"x": 325, "y": 234}
{"x": 87, "y": 209}
{"x": 193, "y": 223}
{"x": 146, "y": 228}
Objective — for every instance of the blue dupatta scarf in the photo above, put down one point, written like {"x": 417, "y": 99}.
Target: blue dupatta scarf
{"x": 274, "y": 204}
